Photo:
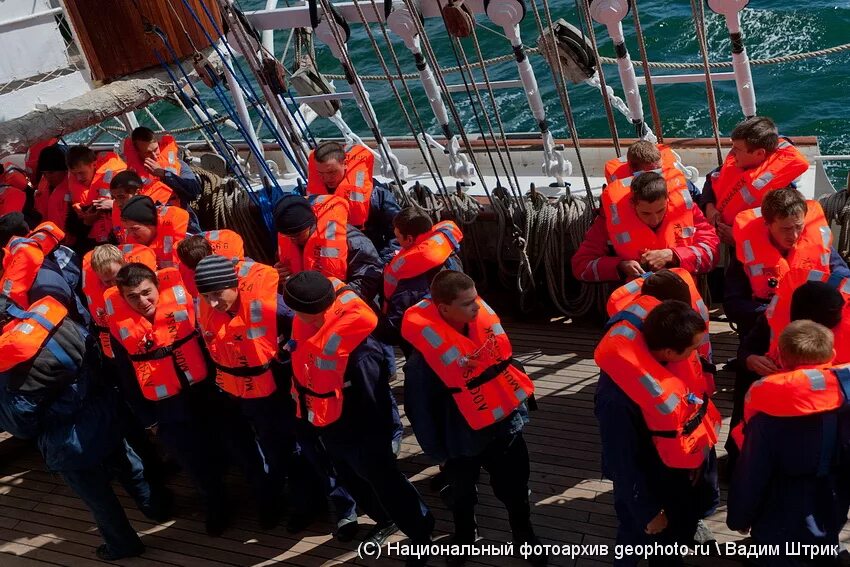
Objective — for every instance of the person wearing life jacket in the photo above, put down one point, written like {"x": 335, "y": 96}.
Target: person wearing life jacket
{"x": 14, "y": 188}
{"x": 426, "y": 249}
{"x": 466, "y": 397}
{"x": 790, "y": 482}
{"x": 340, "y": 382}
{"x": 645, "y": 226}
{"x": 128, "y": 184}
{"x": 759, "y": 162}
{"x": 196, "y": 247}
{"x": 51, "y": 392}
{"x": 89, "y": 179}
{"x": 332, "y": 170}
{"x": 643, "y": 156}
{"x": 319, "y": 237}
{"x": 52, "y": 198}
{"x": 161, "y": 228}
{"x": 786, "y": 233}
{"x": 657, "y": 423}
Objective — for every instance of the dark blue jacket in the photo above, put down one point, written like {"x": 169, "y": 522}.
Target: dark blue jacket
{"x": 365, "y": 273}
{"x": 757, "y": 341}
{"x": 738, "y": 302}
{"x": 786, "y": 486}
{"x": 56, "y": 282}
{"x": 383, "y": 209}
{"x": 440, "y": 429}
{"x": 643, "y": 484}
{"x": 187, "y": 188}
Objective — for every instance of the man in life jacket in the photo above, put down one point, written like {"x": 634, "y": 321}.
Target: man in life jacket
{"x": 158, "y": 352}
{"x": 32, "y": 156}
{"x": 643, "y": 156}
{"x": 332, "y": 170}
{"x": 645, "y": 227}
{"x": 52, "y": 199}
{"x": 426, "y": 250}
{"x": 160, "y": 228}
{"x": 89, "y": 181}
{"x": 466, "y": 398}
{"x": 127, "y": 184}
{"x": 340, "y": 382}
{"x": 196, "y": 247}
{"x": 15, "y": 189}
{"x": 786, "y": 233}
{"x": 759, "y": 162}
{"x": 790, "y": 483}
{"x": 657, "y": 424}
{"x": 319, "y": 237}
{"x": 50, "y": 391}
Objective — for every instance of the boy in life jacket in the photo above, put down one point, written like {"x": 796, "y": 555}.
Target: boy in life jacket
{"x": 786, "y": 233}
{"x": 645, "y": 227}
{"x": 127, "y": 184}
{"x": 643, "y": 156}
{"x": 790, "y": 483}
{"x": 426, "y": 250}
{"x": 52, "y": 200}
{"x": 89, "y": 179}
{"x": 340, "y": 381}
{"x": 50, "y": 391}
{"x": 466, "y": 398}
{"x": 160, "y": 228}
{"x": 759, "y": 162}
{"x": 319, "y": 237}
{"x": 332, "y": 170}
{"x": 657, "y": 423}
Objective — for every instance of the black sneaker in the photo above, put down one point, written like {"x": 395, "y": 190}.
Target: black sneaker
{"x": 346, "y": 529}
{"x": 703, "y": 535}
{"x": 104, "y": 554}
{"x": 379, "y": 534}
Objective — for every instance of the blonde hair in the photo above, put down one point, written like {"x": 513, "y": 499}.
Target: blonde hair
{"x": 643, "y": 153}
{"x": 805, "y": 342}
{"x": 104, "y": 255}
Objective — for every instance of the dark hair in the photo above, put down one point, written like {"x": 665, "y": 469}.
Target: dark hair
{"x": 818, "y": 302}
{"x": 783, "y": 203}
{"x": 142, "y": 134}
{"x": 759, "y": 132}
{"x": 133, "y": 274}
{"x": 329, "y": 150}
{"x": 127, "y": 179}
{"x": 447, "y": 285}
{"x": 80, "y": 154}
{"x": 193, "y": 249}
{"x": 648, "y": 187}
{"x": 412, "y": 222}
{"x": 673, "y": 325}
{"x": 664, "y": 285}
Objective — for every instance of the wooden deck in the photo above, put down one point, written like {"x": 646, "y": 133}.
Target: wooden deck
{"x": 43, "y": 523}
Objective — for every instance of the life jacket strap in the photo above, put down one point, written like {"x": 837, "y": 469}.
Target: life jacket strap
{"x": 305, "y": 390}
{"x": 489, "y": 374}
{"x": 163, "y": 352}
{"x": 244, "y": 371}
{"x": 689, "y": 427}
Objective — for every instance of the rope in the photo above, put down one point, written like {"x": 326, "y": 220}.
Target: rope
{"x": 650, "y": 89}
{"x": 699, "y": 23}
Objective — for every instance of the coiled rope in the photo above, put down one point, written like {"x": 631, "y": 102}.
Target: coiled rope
{"x": 836, "y": 207}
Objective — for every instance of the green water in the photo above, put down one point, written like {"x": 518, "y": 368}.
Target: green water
{"x": 805, "y": 98}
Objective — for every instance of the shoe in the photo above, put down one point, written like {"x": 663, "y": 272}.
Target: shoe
{"x": 104, "y": 554}
{"x": 346, "y": 529}
{"x": 216, "y": 523}
{"x": 299, "y": 521}
{"x": 379, "y": 534}
{"x": 703, "y": 534}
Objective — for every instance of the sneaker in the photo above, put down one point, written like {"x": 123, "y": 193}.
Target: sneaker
{"x": 379, "y": 534}
{"x": 105, "y": 554}
{"x": 346, "y": 529}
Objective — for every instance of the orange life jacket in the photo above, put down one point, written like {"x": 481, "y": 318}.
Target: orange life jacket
{"x": 627, "y": 294}
{"x": 804, "y": 391}
{"x": 478, "y": 370}
{"x": 631, "y": 237}
{"x": 168, "y": 158}
{"x": 326, "y": 250}
{"x": 12, "y": 199}
{"x": 54, "y": 205}
{"x": 356, "y": 187}
{"x": 14, "y": 176}
{"x": 166, "y": 354}
{"x": 108, "y": 165}
{"x": 764, "y": 264}
{"x": 244, "y": 346}
{"x": 673, "y": 399}
{"x": 171, "y": 226}
{"x": 224, "y": 242}
{"x": 23, "y": 259}
{"x": 737, "y": 189}
{"x": 33, "y": 153}
{"x": 429, "y": 251}
{"x": 160, "y": 194}
{"x": 29, "y": 331}
{"x": 619, "y": 168}
{"x": 320, "y": 357}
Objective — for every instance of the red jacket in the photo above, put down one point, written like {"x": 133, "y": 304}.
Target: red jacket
{"x": 595, "y": 260}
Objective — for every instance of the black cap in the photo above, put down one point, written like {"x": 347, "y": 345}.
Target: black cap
{"x": 292, "y": 214}
{"x": 308, "y": 292}
{"x": 140, "y": 208}
{"x": 52, "y": 158}
{"x": 215, "y": 273}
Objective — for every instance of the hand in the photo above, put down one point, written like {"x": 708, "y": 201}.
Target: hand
{"x": 657, "y": 259}
{"x": 630, "y": 269}
{"x": 712, "y": 215}
{"x": 153, "y": 166}
{"x": 724, "y": 231}
{"x": 657, "y": 525}
{"x": 761, "y": 365}
{"x": 283, "y": 272}
{"x": 103, "y": 204}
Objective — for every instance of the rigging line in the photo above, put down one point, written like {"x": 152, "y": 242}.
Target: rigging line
{"x": 612, "y": 123}
{"x": 647, "y": 74}
{"x": 557, "y": 71}
{"x": 182, "y": 25}
{"x": 197, "y": 127}
{"x": 370, "y": 116}
{"x": 438, "y": 177}
{"x": 699, "y": 24}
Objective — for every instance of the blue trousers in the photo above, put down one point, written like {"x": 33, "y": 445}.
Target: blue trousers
{"x": 323, "y": 481}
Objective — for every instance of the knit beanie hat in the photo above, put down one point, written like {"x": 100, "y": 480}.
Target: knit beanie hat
{"x": 140, "y": 208}
{"x": 818, "y": 302}
{"x": 215, "y": 273}
{"x": 52, "y": 158}
{"x": 292, "y": 214}
{"x": 308, "y": 292}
